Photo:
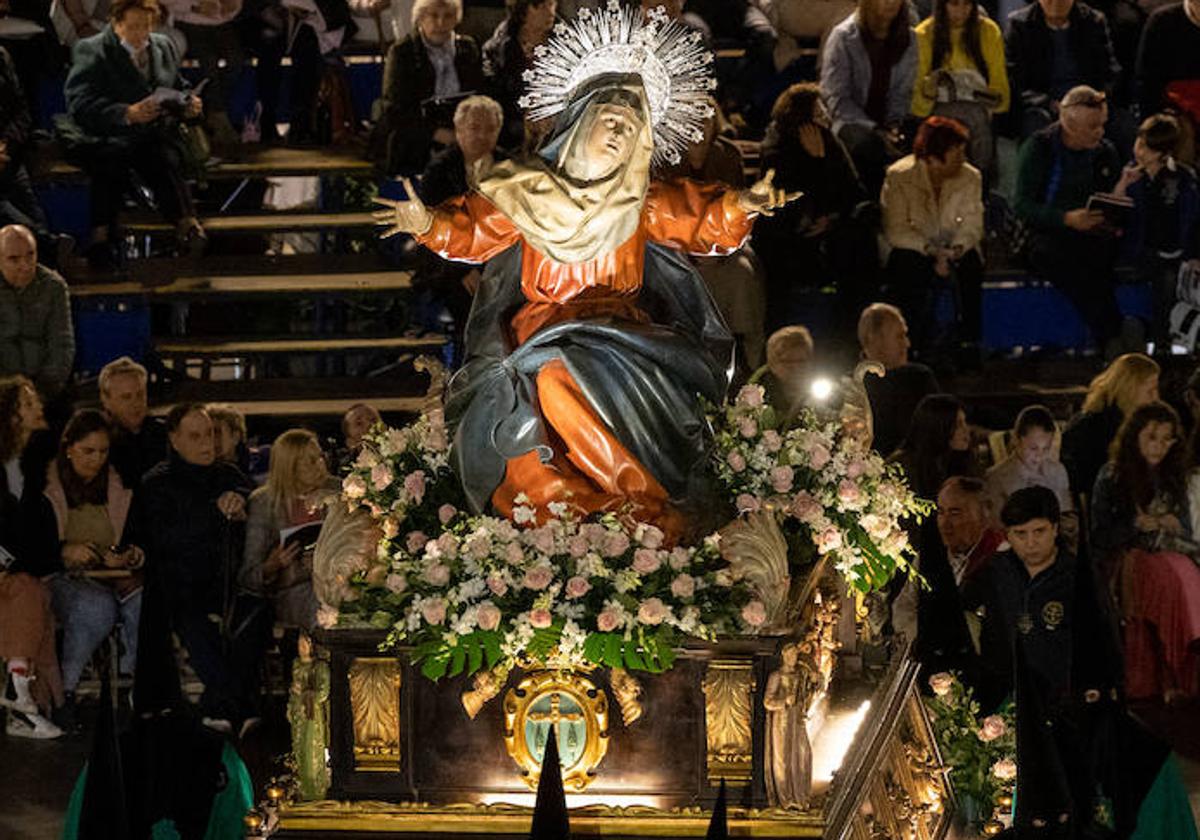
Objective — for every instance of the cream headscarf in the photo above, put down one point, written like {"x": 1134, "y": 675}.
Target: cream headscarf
{"x": 568, "y": 220}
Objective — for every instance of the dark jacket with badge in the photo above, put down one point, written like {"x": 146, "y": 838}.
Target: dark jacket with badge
{"x": 1030, "y": 48}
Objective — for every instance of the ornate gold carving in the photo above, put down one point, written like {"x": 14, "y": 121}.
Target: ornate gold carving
{"x": 572, "y": 704}
{"x": 437, "y": 381}
{"x": 626, "y": 689}
{"x": 375, "y": 702}
{"x": 728, "y": 686}
{"x": 487, "y": 684}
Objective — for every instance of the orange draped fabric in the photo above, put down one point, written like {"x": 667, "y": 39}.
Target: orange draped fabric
{"x": 591, "y": 469}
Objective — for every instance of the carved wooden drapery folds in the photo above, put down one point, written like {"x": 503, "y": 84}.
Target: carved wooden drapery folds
{"x": 375, "y": 704}
{"x": 728, "y": 719}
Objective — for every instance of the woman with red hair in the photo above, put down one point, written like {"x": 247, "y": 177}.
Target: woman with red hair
{"x": 933, "y": 225}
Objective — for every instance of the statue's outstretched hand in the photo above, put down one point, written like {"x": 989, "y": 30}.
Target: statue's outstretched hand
{"x": 763, "y": 197}
{"x": 411, "y": 216}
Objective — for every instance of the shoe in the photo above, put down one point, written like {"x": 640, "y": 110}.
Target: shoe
{"x": 218, "y": 725}
{"x": 16, "y": 694}
{"x": 21, "y": 725}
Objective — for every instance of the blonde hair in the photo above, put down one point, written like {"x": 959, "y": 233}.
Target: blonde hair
{"x": 1117, "y": 384}
{"x": 420, "y": 7}
{"x": 873, "y": 318}
{"x": 789, "y": 339}
{"x": 482, "y": 104}
{"x": 120, "y": 367}
{"x": 283, "y": 476}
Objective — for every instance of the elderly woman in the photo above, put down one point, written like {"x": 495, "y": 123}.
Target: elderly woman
{"x": 424, "y": 77}
{"x": 294, "y": 495}
{"x": 128, "y": 125}
{"x": 508, "y": 54}
{"x": 933, "y": 226}
{"x": 87, "y": 521}
{"x": 33, "y": 682}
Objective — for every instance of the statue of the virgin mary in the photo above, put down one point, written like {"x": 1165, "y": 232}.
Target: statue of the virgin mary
{"x": 591, "y": 339}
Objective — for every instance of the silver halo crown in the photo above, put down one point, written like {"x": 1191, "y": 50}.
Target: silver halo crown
{"x": 671, "y": 59}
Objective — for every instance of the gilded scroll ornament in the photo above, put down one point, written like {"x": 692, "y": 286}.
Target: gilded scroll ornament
{"x": 575, "y": 707}
{"x": 627, "y": 690}
{"x": 375, "y": 701}
{"x": 728, "y": 687}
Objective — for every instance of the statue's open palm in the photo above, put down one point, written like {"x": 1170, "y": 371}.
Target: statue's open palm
{"x": 764, "y": 197}
{"x": 411, "y": 216}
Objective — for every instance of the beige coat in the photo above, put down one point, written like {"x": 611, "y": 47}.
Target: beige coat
{"x": 914, "y": 219}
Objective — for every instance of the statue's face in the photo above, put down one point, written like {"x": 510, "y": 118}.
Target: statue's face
{"x": 607, "y": 142}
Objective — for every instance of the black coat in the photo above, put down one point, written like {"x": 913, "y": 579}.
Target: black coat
{"x": 22, "y": 518}
{"x": 405, "y": 129}
{"x": 16, "y": 126}
{"x": 187, "y": 540}
{"x": 134, "y": 455}
{"x": 1029, "y": 48}
{"x": 1085, "y": 444}
{"x": 504, "y": 62}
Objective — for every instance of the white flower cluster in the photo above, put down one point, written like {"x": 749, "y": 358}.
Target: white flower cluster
{"x": 844, "y": 496}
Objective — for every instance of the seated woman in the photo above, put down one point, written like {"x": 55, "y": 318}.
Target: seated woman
{"x": 1139, "y": 529}
{"x": 298, "y": 486}
{"x": 829, "y": 229}
{"x": 424, "y": 77}
{"x": 114, "y": 98}
{"x": 1032, "y": 463}
{"x": 1129, "y": 382}
{"x": 937, "y": 446}
{"x": 33, "y": 686}
{"x": 933, "y": 228}
{"x": 86, "y": 522}
{"x": 508, "y": 54}
{"x": 590, "y": 341}
{"x": 961, "y": 72}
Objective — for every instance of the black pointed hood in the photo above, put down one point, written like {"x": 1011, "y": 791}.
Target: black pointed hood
{"x": 550, "y": 821}
{"x": 105, "y": 815}
{"x": 718, "y": 826}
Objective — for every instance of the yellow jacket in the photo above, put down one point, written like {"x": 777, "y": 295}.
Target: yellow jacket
{"x": 991, "y": 42}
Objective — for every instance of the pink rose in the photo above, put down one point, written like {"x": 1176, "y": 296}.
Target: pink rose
{"x": 782, "y": 478}
{"x": 771, "y": 441}
{"x": 434, "y": 611}
{"x": 818, "y": 456}
{"x": 754, "y": 614}
{"x": 606, "y": 621}
{"x": 446, "y": 513}
{"x": 381, "y": 476}
{"x": 497, "y": 586}
{"x": 941, "y": 683}
{"x": 684, "y": 586}
{"x": 652, "y": 611}
{"x": 646, "y": 562}
{"x": 594, "y": 533}
{"x": 736, "y": 462}
{"x": 805, "y": 507}
{"x": 437, "y": 575}
{"x": 747, "y": 428}
{"x": 750, "y": 396}
{"x": 1005, "y": 769}
{"x": 396, "y": 583}
{"x": 849, "y": 493}
{"x": 514, "y": 554}
{"x": 876, "y": 526}
{"x": 616, "y": 543}
{"x": 447, "y": 545}
{"x": 540, "y": 619}
{"x": 577, "y": 546}
{"x": 650, "y": 536}
{"x": 414, "y": 485}
{"x": 746, "y": 503}
{"x": 577, "y": 587}
{"x": 415, "y": 541}
{"x": 538, "y": 578}
{"x": 353, "y": 487}
{"x": 829, "y": 540}
{"x": 488, "y": 616}
{"x": 992, "y": 728}
{"x": 856, "y": 468}
{"x": 680, "y": 559}
{"x": 543, "y": 540}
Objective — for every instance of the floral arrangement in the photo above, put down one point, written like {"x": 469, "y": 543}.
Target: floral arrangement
{"x": 833, "y": 495}
{"x": 403, "y": 478}
{"x": 491, "y": 593}
{"x": 981, "y": 753}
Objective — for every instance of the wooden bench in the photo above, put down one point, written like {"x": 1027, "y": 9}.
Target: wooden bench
{"x": 244, "y": 356}
{"x": 205, "y": 287}
{"x": 327, "y": 407}
{"x": 258, "y": 163}
{"x": 264, "y": 223}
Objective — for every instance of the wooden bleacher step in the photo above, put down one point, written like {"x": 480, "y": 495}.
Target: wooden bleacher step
{"x": 257, "y": 163}
{"x": 211, "y": 287}
{"x": 322, "y": 407}
{"x": 264, "y": 223}
{"x": 208, "y": 348}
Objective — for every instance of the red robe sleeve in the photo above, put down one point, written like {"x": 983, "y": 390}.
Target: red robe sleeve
{"x": 469, "y": 228}
{"x": 700, "y": 219}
